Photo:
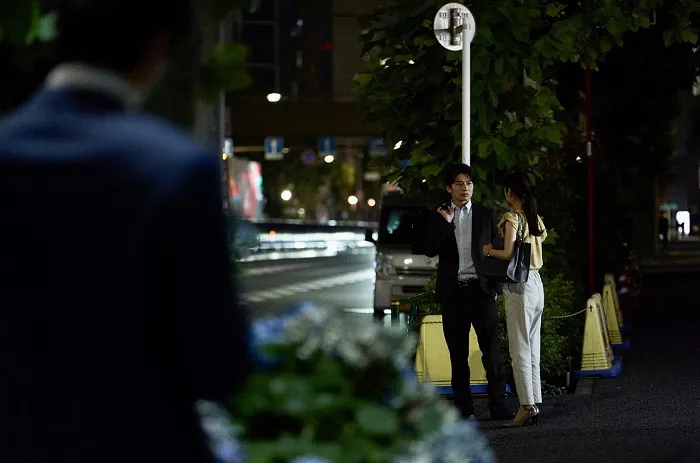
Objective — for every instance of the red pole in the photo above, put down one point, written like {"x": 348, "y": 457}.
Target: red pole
{"x": 589, "y": 160}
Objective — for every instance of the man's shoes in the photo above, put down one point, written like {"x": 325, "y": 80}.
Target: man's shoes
{"x": 501, "y": 413}
{"x": 467, "y": 414}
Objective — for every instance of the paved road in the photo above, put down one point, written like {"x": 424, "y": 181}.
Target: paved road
{"x": 343, "y": 283}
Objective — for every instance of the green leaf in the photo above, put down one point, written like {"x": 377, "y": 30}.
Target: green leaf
{"x": 553, "y": 9}
{"x": 423, "y": 40}
{"x": 689, "y": 36}
{"x": 431, "y": 170}
{"x": 377, "y": 420}
{"x": 484, "y": 148}
{"x": 500, "y": 147}
{"x": 521, "y": 34}
{"x": 362, "y": 78}
{"x": 553, "y": 134}
{"x": 223, "y": 71}
{"x": 668, "y": 37}
{"x": 498, "y": 66}
{"x": 493, "y": 97}
{"x": 510, "y": 130}
{"x": 47, "y": 27}
{"x": 605, "y": 45}
{"x": 552, "y": 236}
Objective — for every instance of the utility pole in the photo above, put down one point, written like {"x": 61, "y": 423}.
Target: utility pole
{"x": 210, "y": 118}
{"x": 589, "y": 161}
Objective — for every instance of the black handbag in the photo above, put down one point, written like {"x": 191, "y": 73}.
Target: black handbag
{"x": 515, "y": 270}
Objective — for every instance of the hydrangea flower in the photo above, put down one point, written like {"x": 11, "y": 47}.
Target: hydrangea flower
{"x": 458, "y": 442}
{"x": 319, "y": 331}
{"x": 271, "y": 330}
{"x": 222, "y": 436}
{"x": 309, "y": 459}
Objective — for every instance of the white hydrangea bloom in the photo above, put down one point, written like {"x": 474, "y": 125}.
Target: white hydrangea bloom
{"x": 459, "y": 442}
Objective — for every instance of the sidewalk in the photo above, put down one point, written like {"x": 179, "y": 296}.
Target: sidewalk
{"x": 681, "y": 256}
{"x": 651, "y": 413}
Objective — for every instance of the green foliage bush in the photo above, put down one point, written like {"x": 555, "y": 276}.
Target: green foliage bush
{"x": 345, "y": 396}
{"x": 561, "y": 337}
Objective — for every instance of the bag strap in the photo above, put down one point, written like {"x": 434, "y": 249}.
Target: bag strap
{"x": 521, "y": 229}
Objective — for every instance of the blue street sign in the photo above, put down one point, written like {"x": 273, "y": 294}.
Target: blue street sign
{"x": 308, "y": 156}
{"x": 273, "y": 148}
{"x": 377, "y": 147}
{"x": 326, "y": 146}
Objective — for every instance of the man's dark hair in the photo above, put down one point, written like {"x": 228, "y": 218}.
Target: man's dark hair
{"x": 454, "y": 170}
{"x": 113, "y": 34}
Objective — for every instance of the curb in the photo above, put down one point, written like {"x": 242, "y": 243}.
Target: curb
{"x": 585, "y": 386}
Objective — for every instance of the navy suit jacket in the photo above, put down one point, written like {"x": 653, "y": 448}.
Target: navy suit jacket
{"x": 434, "y": 236}
{"x": 116, "y": 306}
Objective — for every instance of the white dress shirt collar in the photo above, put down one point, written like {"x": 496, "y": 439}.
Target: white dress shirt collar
{"x": 84, "y": 77}
{"x": 467, "y": 206}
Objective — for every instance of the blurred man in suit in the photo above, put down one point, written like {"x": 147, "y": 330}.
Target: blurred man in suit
{"x": 116, "y": 307}
{"x": 457, "y": 232}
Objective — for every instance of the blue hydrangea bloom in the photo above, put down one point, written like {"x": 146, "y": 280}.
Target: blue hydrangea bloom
{"x": 270, "y": 330}
{"x": 309, "y": 459}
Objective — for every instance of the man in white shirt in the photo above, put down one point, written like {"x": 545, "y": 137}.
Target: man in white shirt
{"x": 457, "y": 232}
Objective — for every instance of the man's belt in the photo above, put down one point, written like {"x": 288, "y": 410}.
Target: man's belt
{"x": 463, "y": 283}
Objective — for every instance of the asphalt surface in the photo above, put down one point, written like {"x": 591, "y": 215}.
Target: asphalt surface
{"x": 343, "y": 283}
{"x": 650, "y": 413}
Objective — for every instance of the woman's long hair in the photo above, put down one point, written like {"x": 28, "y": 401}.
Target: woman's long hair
{"x": 521, "y": 187}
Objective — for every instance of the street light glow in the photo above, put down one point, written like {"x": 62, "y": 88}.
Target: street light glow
{"x": 398, "y": 144}
{"x": 352, "y": 200}
{"x": 274, "y": 97}
{"x": 286, "y": 195}
{"x": 371, "y": 202}
{"x": 329, "y": 158}
{"x": 224, "y": 156}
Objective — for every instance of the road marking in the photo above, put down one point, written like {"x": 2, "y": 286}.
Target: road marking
{"x": 249, "y": 272}
{"x": 364, "y": 310}
{"x": 304, "y": 287}
{"x": 360, "y": 248}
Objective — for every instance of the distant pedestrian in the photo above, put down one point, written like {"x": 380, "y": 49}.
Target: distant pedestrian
{"x": 663, "y": 230}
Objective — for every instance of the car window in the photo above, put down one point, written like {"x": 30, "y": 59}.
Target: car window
{"x": 396, "y": 225}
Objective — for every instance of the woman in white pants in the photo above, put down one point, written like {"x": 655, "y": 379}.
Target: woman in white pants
{"x": 524, "y": 302}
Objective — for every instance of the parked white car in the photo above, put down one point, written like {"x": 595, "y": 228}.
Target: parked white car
{"x": 399, "y": 273}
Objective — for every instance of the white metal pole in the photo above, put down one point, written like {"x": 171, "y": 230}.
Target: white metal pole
{"x": 466, "y": 97}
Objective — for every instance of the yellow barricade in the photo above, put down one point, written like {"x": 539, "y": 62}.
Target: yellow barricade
{"x": 597, "y": 353}
{"x": 610, "y": 280}
{"x": 611, "y": 319}
{"x": 433, "y": 357}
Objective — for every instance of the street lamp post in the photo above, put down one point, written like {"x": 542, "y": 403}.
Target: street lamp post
{"x": 455, "y": 28}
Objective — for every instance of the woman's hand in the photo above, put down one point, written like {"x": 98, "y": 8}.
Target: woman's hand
{"x": 447, "y": 213}
{"x": 487, "y": 249}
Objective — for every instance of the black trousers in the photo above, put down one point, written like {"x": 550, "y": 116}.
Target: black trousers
{"x": 472, "y": 306}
